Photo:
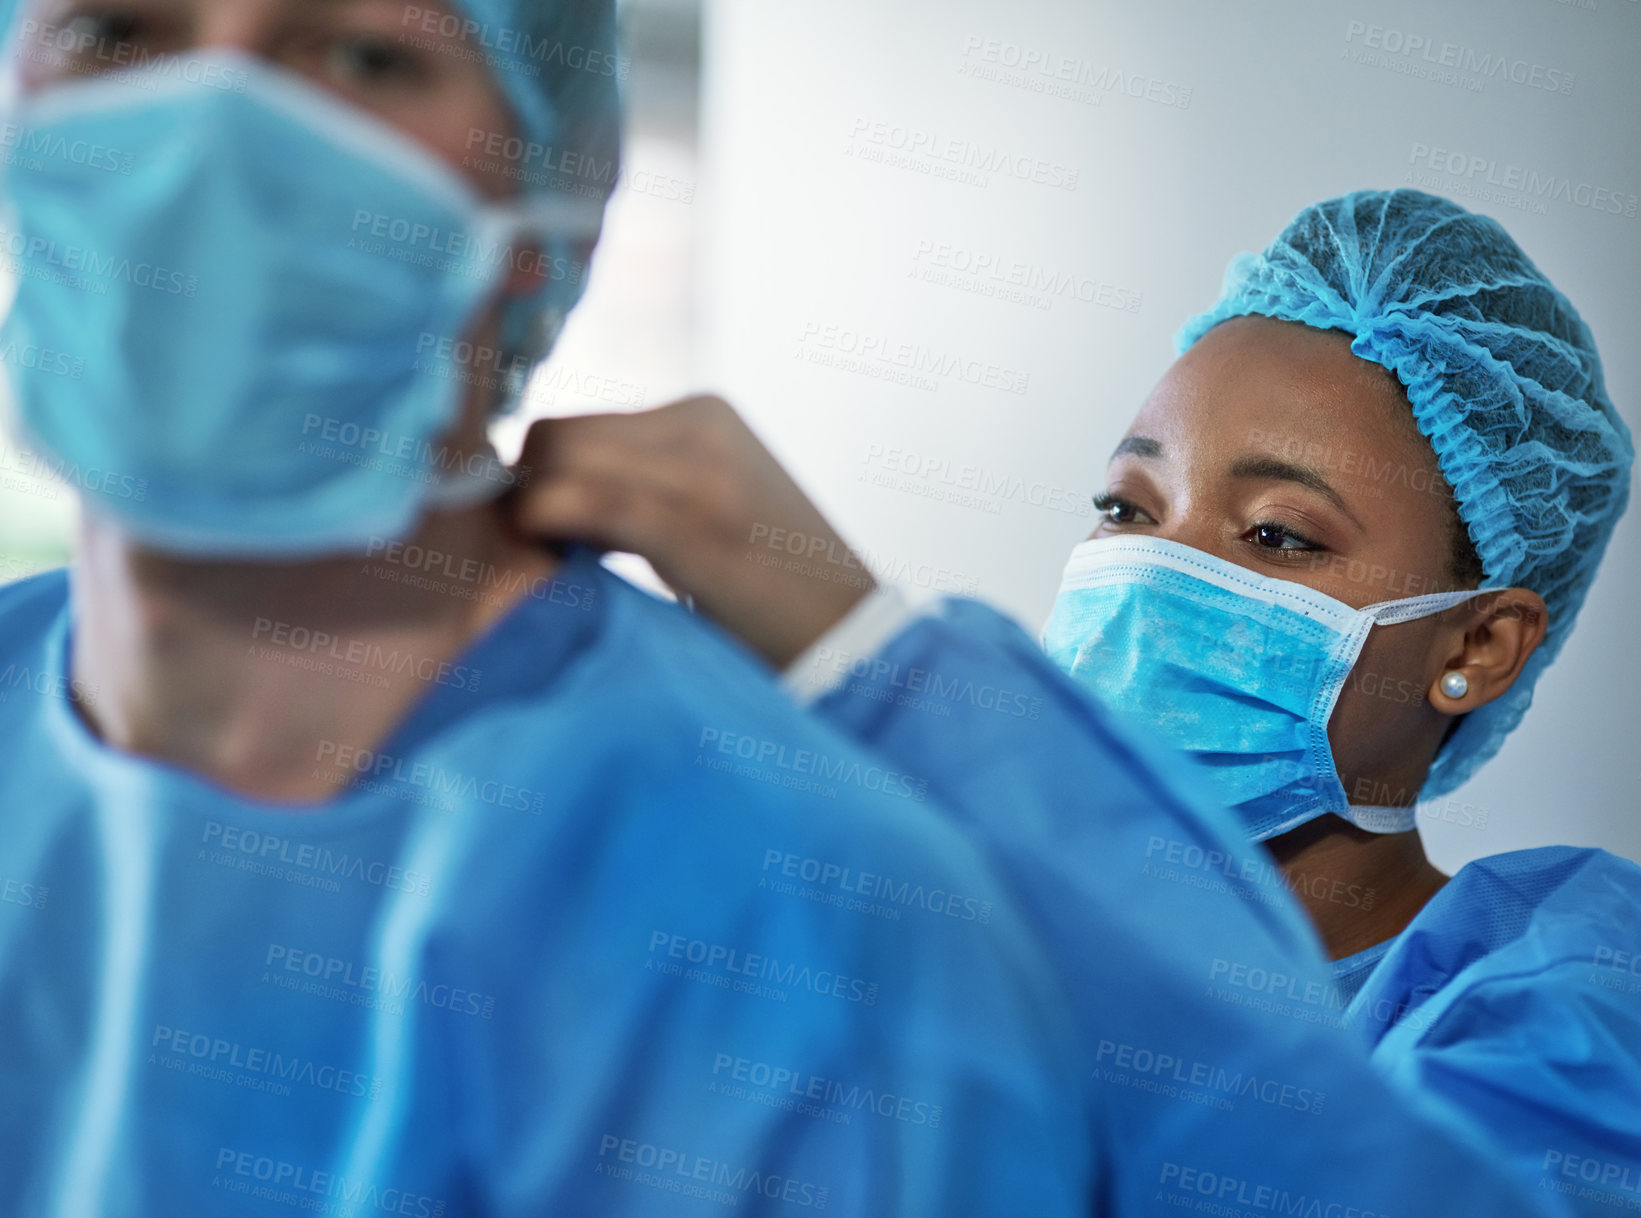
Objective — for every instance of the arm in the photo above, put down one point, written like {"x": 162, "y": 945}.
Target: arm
{"x": 1209, "y": 1033}
{"x": 1546, "y": 1064}
{"x": 690, "y": 488}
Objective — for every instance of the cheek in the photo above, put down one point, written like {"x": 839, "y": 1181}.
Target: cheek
{"x": 477, "y": 119}
{"x": 1385, "y": 694}
{"x": 458, "y": 120}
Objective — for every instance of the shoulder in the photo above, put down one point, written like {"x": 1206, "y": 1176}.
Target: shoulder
{"x": 1553, "y": 886}
{"x": 28, "y": 610}
{"x": 1528, "y": 936}
{"x": 665, "y": 733}
{"x": 29, "y": 606}
{"x": 680, "y": 675}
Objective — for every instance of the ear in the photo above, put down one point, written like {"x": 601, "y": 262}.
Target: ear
{"x": 1502, "y": 632}
{"x": 527, "y": 270}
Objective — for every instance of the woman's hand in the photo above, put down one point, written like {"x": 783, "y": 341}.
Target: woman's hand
{"x": 691, "y": 489}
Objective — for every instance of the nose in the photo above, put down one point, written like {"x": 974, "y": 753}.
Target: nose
{"x": 248, "y": 26}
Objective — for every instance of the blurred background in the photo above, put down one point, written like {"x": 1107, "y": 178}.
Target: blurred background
{"x": 1042, "y": 192}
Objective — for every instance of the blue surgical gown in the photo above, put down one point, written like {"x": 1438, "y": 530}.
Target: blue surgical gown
{"x": 1214, "y": 1041}
{"x": 608, "y": 927}
{"x": 1514, "y": 999}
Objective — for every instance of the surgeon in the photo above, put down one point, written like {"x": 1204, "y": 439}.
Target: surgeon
{"x": 361, "y": 857}
{"x": 326, "y": 887}
{"x": 1339, "y": 544}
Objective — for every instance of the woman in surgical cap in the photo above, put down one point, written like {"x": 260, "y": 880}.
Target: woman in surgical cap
{"x": 1342, "y": 539}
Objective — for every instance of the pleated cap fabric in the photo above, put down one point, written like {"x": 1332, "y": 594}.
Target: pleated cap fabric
{"x": 1502, "y": 376}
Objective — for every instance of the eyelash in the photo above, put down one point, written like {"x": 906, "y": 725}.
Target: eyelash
{"x": 395, "y": 64}
{"x": 119, "y": 24}
{"x": 1104, "y": 502}
{"x": 107, "y": 24}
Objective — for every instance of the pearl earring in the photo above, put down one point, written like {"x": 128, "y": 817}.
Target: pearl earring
{"x": 1455, "y": 685}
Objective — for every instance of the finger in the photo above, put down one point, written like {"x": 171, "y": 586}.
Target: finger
{"x": 661, "y": 427}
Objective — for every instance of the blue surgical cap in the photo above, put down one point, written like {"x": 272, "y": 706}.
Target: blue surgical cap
{"x": 1503, "y": 378}
{"x": 558, "y": 65}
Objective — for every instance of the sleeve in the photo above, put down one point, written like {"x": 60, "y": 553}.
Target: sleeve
{"x": 965, "y": 701}
{"x": 1212, "y": 1037}
{"x": 856, "y": 639}
{"x": 1546, "y": 1063}
{"x": 776, "y": 997}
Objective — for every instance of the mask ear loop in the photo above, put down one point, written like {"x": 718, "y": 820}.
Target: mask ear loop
{"x": 1391, "y": 613}
{"x": 1341, "y": 662}
{"x": 531, "y": 325}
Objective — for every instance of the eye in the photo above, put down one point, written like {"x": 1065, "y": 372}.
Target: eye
{"x": 97, "y": 35}
{"x": 105, "y": 27}
{"x": 1119, "y": 511}
{"x": 373, "y": 60}
{"x": 1271, "y": 536}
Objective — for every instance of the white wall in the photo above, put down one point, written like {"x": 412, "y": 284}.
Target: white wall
{"x": 809, "y": 228}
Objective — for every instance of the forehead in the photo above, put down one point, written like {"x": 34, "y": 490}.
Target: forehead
{"x": 1257, "y": 382}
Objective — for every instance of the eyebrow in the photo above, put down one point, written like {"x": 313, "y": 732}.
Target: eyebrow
{"x": 1264, "y": 468}
{"x": 1273, "y": 469}
{"x": 1140, "y": 446}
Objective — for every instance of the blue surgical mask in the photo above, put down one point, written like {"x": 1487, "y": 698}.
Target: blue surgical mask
{"x": 256, "y": 300}
{"x": 1239, "y": 670}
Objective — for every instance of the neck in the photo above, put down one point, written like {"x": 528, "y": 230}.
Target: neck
{"x": 1359, "y": 888}
{"x": 267, "y": 678}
